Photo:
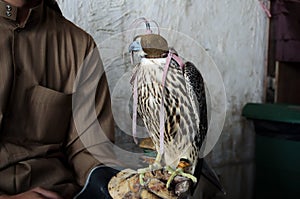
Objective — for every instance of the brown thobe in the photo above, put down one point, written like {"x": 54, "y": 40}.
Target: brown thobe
{"x": 55, "y": 113}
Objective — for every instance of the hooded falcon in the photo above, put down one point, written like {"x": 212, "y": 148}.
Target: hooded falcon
{"x": 179, "y": 93}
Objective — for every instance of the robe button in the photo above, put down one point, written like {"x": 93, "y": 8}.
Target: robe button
{"x": 8, "y": 7}
{"x": 8, "y": 13}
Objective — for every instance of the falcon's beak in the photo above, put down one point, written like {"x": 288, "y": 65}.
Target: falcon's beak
{"x": 135, "y": 46}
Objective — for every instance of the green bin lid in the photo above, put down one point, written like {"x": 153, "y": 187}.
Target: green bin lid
{"x": 273, "y": 112}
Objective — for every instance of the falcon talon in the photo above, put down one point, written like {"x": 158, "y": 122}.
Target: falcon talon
{"x": 153, "y": 172}
{"x": 141, "y": 179}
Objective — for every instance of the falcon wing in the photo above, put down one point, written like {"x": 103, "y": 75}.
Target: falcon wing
{"x": 196, "y": 91}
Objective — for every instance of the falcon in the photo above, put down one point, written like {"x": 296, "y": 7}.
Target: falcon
{"x": 176, "y": 94}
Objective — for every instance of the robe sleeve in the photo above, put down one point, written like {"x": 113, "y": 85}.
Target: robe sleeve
{"x": 90, "y": 140}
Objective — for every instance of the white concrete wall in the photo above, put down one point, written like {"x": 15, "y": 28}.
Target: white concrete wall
{"x": 232, "y": 32}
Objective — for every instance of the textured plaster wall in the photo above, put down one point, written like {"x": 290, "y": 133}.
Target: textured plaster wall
{"x": 233, "y": 33}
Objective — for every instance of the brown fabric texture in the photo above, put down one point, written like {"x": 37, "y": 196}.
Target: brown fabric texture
{"x": 55, "y": 113}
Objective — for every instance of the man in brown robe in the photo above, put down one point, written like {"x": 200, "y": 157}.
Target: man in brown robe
{"x": 56, "y": 125}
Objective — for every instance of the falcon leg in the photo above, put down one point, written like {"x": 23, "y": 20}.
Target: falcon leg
{"x": 156, "y": 165}
{"x": 178, "y": 171}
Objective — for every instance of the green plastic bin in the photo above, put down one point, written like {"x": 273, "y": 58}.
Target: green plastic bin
{"x": 277, "y": 150}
